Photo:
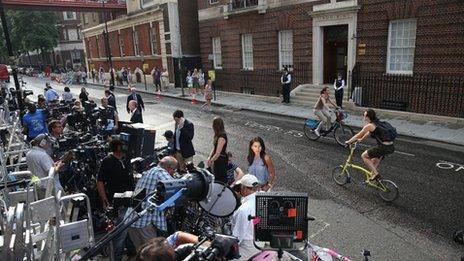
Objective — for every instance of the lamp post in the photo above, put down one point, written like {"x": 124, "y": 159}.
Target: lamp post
{"x": 19, "y": 93}
{"x": 143, "y": 70}
{"x": 107, "y": 44}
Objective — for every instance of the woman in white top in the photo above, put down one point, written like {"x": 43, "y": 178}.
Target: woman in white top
{"x": 321, "y": 110}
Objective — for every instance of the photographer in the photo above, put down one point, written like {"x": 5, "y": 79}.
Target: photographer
{"x": 161, "y": 248}
{"x": 114, "y": 177}
{"x": 34, "y": 122}
{"x": 108, "y": 118}
{"x": 56, "y": 130}
{"x": 242, "y": 227}
{"x": 153, "y": 223}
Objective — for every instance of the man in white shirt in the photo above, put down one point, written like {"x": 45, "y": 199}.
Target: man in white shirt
{"x": 242, "y": 227}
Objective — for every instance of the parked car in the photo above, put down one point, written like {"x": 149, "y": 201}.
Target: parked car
{"x": 4, "y": 75}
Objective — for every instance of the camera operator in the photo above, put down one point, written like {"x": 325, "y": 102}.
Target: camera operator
{"x": 51, "y": 95}
{"x": 34, "y": 122}
{"x": 153, "y": 223}
{"x": 242, "y": 228}
{"x": 39, "y": 162}
{"x": 161, "y": 248}
{"x": 76, "y": 120}
{"x": 114, "y": 177}
{"x": 56, "y": 130}
{"x": 108, "y": 118}
{"x": 111, "y": 99}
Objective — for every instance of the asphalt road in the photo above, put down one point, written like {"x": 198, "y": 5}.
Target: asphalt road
{"x": 417, "y": 226}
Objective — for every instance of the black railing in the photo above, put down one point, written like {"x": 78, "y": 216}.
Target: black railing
{"x": 420, "y": 93}
{"x": 261, "y": 81}
{"x": 242, "y": 4}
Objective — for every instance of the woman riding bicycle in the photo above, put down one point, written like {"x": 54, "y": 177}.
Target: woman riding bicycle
{"x": 322, "y": 111}
{"x": 374, "y": 155}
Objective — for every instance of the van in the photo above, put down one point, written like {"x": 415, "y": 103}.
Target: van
{"x": 4, "y": 75}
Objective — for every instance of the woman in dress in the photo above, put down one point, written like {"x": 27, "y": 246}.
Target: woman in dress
{"x": 83, "y": 96}
{"x": 260, "y": 164}
{"x": 218, "y": 157}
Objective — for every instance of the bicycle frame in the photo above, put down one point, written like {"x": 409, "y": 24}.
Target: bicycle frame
{"x": 367, "y": 173}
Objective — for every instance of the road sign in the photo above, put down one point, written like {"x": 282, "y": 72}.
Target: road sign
{"x": 212, "y": 75}
{"x": 145, "y": 67}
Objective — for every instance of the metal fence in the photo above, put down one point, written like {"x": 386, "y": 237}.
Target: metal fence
{"x": 261, "y": 81}
{"x": 421, "y": 93}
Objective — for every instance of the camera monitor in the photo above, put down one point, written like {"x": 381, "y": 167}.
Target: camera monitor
{"x": 281, "y": 218}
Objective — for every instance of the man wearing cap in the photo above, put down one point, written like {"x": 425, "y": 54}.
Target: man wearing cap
{"x": 39, "y": 162}
{"x": 242, "y": 227}
{"x": 136, "y": 97}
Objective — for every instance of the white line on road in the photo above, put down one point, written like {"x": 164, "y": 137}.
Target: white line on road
{"x": 325, "y": 225}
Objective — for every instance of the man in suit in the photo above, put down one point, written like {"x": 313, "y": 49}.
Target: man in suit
{"x": 183, "y": 136}
{"x": 111, "y": 99}
{"x": 136, "y": 115}
{"x": 136, "y": 97}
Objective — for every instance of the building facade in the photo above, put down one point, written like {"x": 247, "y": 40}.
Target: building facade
{"x": 247, "y": 42}
{"x": 151, "y": 34}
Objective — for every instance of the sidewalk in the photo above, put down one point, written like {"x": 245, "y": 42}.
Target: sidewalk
{"x": 429, "y": 127}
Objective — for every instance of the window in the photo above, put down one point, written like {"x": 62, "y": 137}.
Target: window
{"x": 135, "y": 37}
{"x": 154, "y": 45}
{"x": 213, "y": 2}
{"x": 247, "y": 51}
{"x": 73, "y": 35}
{"x": 401, "y": 44}
{"x": 121, "y": 45}
{"x": 69, "y": 15}
{"x": 147, "y": 3}
{"x": 285, "y": 49}
{"x": 217, "y": 57}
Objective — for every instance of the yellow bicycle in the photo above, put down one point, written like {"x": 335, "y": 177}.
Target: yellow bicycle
{"x": 386, "y": 189}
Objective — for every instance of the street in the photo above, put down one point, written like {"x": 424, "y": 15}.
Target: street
{"x": 417, "y": 226}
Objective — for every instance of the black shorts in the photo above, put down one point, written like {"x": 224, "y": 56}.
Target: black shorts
{"x": 380, "y": 151}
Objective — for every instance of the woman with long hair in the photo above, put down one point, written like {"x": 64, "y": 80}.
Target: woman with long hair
{"x": 83, "y": 96}
{"x": 322, "y": 111}
{"x": 260, "y": 164}
{"x": 218, "y": 157}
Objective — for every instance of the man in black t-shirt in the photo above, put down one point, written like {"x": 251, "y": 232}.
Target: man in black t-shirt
{"x": 114, "y": 177}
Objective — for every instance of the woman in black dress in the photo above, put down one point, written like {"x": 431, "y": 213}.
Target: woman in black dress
{"x": 83, "y": 96}
{"x": 218, "y": 156}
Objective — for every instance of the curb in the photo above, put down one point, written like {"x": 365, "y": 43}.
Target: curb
{"x": 218, "y": 104}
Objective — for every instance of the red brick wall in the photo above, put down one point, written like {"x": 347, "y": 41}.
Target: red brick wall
{"x": 101, "y": 46}
{"x": 439, "y": 38}
{"x": 188, "y": 22}
{"x": 114, "y": 44}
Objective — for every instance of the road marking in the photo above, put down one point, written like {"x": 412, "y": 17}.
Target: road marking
{"x": 325, "y": 225}
{"x": 275, "y": 129}
{"x": 446, "y": 165}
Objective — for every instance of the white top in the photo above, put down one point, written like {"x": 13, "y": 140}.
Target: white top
{"x": 289, "y": 79}
{"x": 242, "y": 228}
{"x": 341, "y": 87}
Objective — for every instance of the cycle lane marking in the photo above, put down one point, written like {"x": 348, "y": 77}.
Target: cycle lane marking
{"x": 446, "y": 165}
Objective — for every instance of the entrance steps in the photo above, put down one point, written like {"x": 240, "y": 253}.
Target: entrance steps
{"x": 307, "y": 94}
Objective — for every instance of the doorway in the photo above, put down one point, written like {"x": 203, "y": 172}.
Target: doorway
{"x": 335, "y": 52}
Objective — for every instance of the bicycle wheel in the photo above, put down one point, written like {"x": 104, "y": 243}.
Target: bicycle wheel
{"x": 391, "y": 190}
{"x": 309, "y": 132}
{"x": 339, "y": 176}
{"x": 343, "y": 133}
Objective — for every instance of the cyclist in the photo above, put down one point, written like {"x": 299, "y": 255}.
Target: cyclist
{"x": 321, "y": 110}
{"x": 374, "y": 155}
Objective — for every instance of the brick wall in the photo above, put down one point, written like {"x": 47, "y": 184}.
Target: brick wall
{"x": 188, "y": 22}
{"x": 126, "y": 35}
{"x": 114, "y": 44}
{"x": 439, "y": 37}
{"x": 144, "y": 38}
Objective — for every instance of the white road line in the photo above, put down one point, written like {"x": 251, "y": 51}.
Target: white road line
{"x": 326, "y": 225}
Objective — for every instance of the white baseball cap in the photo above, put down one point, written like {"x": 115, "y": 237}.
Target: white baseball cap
{"x": 248, "y": 180}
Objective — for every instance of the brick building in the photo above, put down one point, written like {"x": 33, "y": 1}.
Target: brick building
{"x": 151, "y": 34}
{"x": 407, "y": 48}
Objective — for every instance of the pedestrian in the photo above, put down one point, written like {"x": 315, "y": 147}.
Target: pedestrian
{"x": 156, "y": 74}
{"x": 260, "y": 164}
{"x": 165, "y": 79}
{"x": 136, "y": 97}
{"x": 285, "y": 80}
{"x": 84, "y": 77}
{"x": 184, "y": 131}
{"x": 101, "y": 75}
{"x": 124, "y": 75}
{"x": 135, "y": 114}
{"x": 195, "y": 81}
{"x": 83, "y": 96}
{"x": 67, "y": 95}
{"x": 189, "y": 81}
{"x": 339, "y": 84}
{"x": 94, "y": 75}
{"x": 218, "y": 157}
{"x": 201, "y": 79}
{"x": 129, "y": 76}
{"x": 208, "y": 93}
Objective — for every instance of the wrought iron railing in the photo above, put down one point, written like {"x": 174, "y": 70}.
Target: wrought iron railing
{"x": 420, "y": 93}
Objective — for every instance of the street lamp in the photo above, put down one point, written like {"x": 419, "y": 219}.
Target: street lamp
{"x": 107, "y": 44}
{"x": 143, "y": 70}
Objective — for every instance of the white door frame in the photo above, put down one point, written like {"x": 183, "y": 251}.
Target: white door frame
{"x": 329, "y": 19}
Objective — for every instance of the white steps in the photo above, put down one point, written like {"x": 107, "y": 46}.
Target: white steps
{"x": 307, "y": 94}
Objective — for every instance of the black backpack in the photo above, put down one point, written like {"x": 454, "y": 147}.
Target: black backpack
{"x": 386, "y": 131}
